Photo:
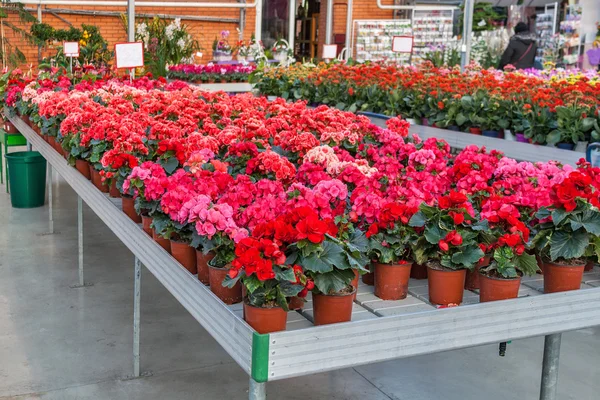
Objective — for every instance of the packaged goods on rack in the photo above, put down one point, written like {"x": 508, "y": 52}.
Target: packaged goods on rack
{"x": 431, "y": 28}
{"x": 545, "y": 30}
{"x": 373, "y": 40}
{"x": 570, "y": 35}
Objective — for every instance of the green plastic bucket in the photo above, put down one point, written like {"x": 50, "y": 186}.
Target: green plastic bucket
{"x": 27, "y": 177}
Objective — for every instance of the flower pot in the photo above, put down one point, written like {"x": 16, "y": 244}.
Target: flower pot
{"x": 561, "y": 278}
{"x": 391, "y": 280}
{"x": 113, "y": 191}
{"x": 97, "y": 181}
{"x": 493, "y": 289}
{"x": 369, "y": 277}
{"x": 354, "y": 283}
{"x": 446, "y": 286}
{"x": 51, "y": 141}
{"x": 475, "y": 131}
{"x": 265, "y": 319}
{"x": 202, "y": 265}
{"x": 296, "y": 303}
{"x": 164, "y": 243}
{"x": 418, "y": 271}
{"x": 128, "y": 205}
{"x": 84, "y": 168}
{"x": 589, "y": 266}
{"x": 492, "y": 134}
{"x": 453, "y": 128}
{"x": 424, "y": 122}
{"x": 472, "y": 278}
{"x": 146, "y": 222}
{"x": 45, "y": 138}
{"x": 509, "y": 136}
{"x": 25, "y": 118}
{"x": 185, "y": 254}
{"x": 565, "y": 146}
{"x": 332, "y": 308}
{"x": 521, "y": 138}
{"x": 10, "y": 128}
{"x": 65, "y": 154}
{"x": 216, "y": 276}
{"x": 58, "y": 147}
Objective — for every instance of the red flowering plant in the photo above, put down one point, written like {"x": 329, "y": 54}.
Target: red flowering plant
{"x": 328, "y": 249}
{"x": 569, "y": 229}
{"x": 390, "y": 237}
{"x": 147, "y": 184}
{"x": 260, "y": 263}
{"x": 450, "y": 233}
{"x": 510, "y": 236}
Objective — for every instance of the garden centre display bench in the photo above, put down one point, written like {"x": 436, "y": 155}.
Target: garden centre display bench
{"x": 233, "y": 87}
{"x": 379, "y": 330}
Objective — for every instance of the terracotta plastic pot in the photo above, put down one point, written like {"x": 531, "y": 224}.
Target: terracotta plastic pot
{"x": 185, "y": 254}
{"x": 51, "y": 141}
{"x": 472, "y": 279}
{"x": 369, "y": 278}
{"x": 331, "y": 309}
{"x": 25, "y": 118}
{"x": 446, "y": 286}
{"x": 113, "y": 191}
{"x": 164, "y": 243}
{"x": 296, "y": 303}
{"x": 58, "y": 147}
{"x": 10, "y": 128}
{"x": 589, "y": 266}
{"x": 146, "y": 222}
{"x": 227, "y": 295}
{"x": 128, "y": 205}
{"x": 354, "y": 283}
{"x": 265, "y": 320}
{"x": 493, "y": 289}
{"x": 475, "y": 131}
{"x": 202, "y": 266}
{"x": 418, "y": 271}
{"x": 45, "y": 138}
{"x": 391, "y": 281}
{"x": 84, "y": 168}
{"x": 97, "y": 181}
{"x": 561, "y": 278}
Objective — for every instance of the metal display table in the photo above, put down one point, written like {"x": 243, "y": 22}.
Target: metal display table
{"x": 236, "y": 87}
{"x": 379, "y": 330}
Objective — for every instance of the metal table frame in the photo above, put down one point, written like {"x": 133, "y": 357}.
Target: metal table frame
{"x": 306, "y": 351}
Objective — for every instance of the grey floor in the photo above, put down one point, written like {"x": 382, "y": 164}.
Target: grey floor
{"x": 58, "y": 342}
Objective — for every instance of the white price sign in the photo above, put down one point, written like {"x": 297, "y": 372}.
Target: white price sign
{"x": 402, "y": 44}
{"x": 71, "y": 49}
{"x": 129, "y": 55}
{"x": 330, "y": 51}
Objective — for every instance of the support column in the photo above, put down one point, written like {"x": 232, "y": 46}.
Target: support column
{"x": 50, "y": 200}
{"x": 292, "y": 24}
{"x": 80, "y": 238}
{"x": 329, "y": 22}
{"x": 258, "y": 21}
{"x": 257, "y": 391}
{"x": 137, "y": 287}
{"x": 349, "y": 30}
{"x": 550, "y": 367}
{"x": 467, "y": 30}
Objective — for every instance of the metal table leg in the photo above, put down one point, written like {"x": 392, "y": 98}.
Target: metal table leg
{"x": 257, "y": 391}
{"x": 550, "y": 367}
{"x": 50, "y": 202}
{"x": 28, "y": 145}
{"x": 136, "y": 317}
{"x": 82, "y": 282}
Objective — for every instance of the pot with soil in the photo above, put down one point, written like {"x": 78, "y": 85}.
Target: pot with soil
{"x": 354, "y": 283}
{"x": 265, "y": 319}
{"x": 333, "y": 308}
{"x": 10, "y": 128}
{"x": 493, "y": 287}
{"x": 418, "y": 271}
{"x": 202, "y": 265}
{"x": 164, "y": 243}
{"x": 146, "y": 224}
{"x": 216, "y": 276}
{"x": 446, "y": 286}
{"x": 472, "y": 278}
{"x": 391, "y": 280}
{"x": 97, "y": 181}
{"x": 113, "y": 190}
{"x": 128, "y": 205}
{"x": 369, "y": 277}
{"x": 296, "y": 303}
{"x": 83, "y": 167}
{"x": 185, "y": 254}
{"x": 563, "y": 276}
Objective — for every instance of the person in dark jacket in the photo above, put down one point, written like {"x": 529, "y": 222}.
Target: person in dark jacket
{"x": 521, "y": 49}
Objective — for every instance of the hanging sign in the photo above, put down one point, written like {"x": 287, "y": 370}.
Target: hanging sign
{"x": 129, "y": 55}
{"x": 330, "y": 51}
{"x": 402, "y": 44}
{"x": 71, "y": 49}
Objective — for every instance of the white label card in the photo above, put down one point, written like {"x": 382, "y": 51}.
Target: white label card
{"x": 129, "y": 55}
{"x": 71, "y": 49}
{"x": 330, "y": 51}
{"x": 402, "y": 44}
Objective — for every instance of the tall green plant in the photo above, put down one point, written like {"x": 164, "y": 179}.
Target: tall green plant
{"x": 11, "y": 55}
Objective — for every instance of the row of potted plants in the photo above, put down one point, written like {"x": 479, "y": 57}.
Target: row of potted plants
{"x": 211, "y": 73}
{"x": 559, "y": 111}
{"x": 266, "y": 201}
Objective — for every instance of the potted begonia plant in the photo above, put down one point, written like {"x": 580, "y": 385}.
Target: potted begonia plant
{"x": 329, "y": 261}
{"x": 390, "y": 239}
{"x": 569, "y": 231}
{"x": 500, "y": 280}
{"x": 269, "y": 282}
{"x": 449, "y": 245}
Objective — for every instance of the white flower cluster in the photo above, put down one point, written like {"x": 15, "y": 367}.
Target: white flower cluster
{"x": 141, "y": 32}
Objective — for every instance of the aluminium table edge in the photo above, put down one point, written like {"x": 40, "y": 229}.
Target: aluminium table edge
{"x": 231, "y": 332}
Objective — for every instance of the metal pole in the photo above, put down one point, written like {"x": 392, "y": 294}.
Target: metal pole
{"x": 80, "y": 238}
{"x": 257, "y": 391}
{"x": 258, "y": 21}
{"x": 131, "y": 29}
{"x": 467, "y": 29}
{"x": 136, "y": 317}
{"x": 550, "y": 367}
{"x": 242, "y": 21}
{"x": 29, "y": 148}
{"x": 50, "y": 208}
{"x": 329, "y": 22}
{"x": 349, "y": 29}
{"x": 291, "y": 23}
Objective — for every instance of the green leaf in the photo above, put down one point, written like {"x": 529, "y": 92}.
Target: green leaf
{"x": 334, "y": 281}
{"x": 589, "y": 220}
{"x": 553, "y": 137}
{"x": 284, "y": 274}
{"x": 461, "y": 119}
{"x": 558, "y": 215}
{"x": 468, "y": 256}
{"x": 169, "y": 165}
{"x": 527, "y": 264}
{"x": 252, "y": 283}
{"x": 417, "y": 220}
{"x": 568, "y": 245}
{"x": 587, "y": 124}
{"x": 543, "y": 213}
{"x": 289, "y": 289}
{"x": 331, "y": 255}
{"x": 433, "y": 234}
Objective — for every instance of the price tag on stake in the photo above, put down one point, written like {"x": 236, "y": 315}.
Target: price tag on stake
{"x": 129, "y": 55}
{"x": 402, "y": 44}
{"x": 71, "y": 49}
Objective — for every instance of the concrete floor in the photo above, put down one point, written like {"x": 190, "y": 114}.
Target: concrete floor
{"x": 58, "y": 342}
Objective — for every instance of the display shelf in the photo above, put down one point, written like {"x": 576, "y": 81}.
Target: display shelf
{"x": 571, "y": 36}
{"x": 372, "y": 40}
{"x": 546, "y": 30}
{"x": 432, "y": 29}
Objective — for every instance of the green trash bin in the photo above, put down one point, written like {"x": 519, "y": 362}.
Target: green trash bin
{"x": 27, "y": 174}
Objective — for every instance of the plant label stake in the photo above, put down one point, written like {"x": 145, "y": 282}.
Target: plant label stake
{"x": 129, "y": 56}
{"x": 71, "y": 49}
